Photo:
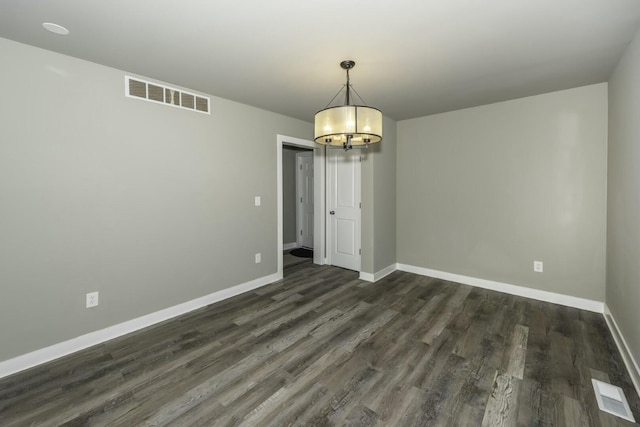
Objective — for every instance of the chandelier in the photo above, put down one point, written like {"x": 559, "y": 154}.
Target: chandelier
{"x": 348, "y": 126}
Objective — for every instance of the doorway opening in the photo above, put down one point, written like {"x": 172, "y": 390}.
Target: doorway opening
{"x": 297, "y": 205}
{"x": 300, "y": 223}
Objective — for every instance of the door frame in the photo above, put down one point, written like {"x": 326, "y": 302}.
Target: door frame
{"x": 299, "y": 214}
{"x": 318, "y": 197}
{"x": 329, "y": 230}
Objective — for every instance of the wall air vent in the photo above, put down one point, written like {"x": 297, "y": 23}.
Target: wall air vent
{"x": 141, "y": 89}
{"x": 611, "y": 399}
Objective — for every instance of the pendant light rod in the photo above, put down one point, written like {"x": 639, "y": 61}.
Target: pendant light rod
{"x": 347, "y": 65}
{"x": 348, "y": 88}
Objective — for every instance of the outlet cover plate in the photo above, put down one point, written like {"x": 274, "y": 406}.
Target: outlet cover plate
{"x": 537, "y": 266}
{"x": 92, "y": 299}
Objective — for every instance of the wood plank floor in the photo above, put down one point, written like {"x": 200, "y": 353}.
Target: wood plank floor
{"x": 324, "y": 348}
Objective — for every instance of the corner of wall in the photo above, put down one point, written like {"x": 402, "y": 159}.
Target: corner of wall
{"x": 630, "y": 362}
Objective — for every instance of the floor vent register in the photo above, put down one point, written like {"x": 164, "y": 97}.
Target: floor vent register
{"x": 611, "y": 399}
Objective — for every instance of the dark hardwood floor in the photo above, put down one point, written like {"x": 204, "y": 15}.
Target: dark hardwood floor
{"x": 324, "y": 348}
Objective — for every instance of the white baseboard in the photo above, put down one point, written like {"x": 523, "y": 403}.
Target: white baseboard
{"x": 289, "y": 246}
{"x": 379, "y": 274}
{"x": 367, "y": 277}
{"x": 570, "y": 301}
{"x": 64, "y": 348}
{"x": 623, "y": 347}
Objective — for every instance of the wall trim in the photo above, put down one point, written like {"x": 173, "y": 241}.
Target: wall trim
{"x": 367, "y": 277}
{"x": 567, "y": 300}
{"x": 379, "y": 274}
{"x": 55, "y": 351}
{"x": 289, "y": 246}
{"x": 632, "y": 365}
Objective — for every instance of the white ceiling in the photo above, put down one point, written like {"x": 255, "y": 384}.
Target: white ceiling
{"x": 414, "y": 57}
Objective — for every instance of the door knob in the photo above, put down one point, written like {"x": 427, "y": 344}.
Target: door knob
{"x": 332, "y": 213}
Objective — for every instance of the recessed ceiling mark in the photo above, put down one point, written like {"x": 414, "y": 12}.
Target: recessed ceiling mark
{"x": 55, "y": 28}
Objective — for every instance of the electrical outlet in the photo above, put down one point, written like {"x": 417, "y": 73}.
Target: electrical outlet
{"x": 258, "y": 201}
{"x": 92, "y": 299}
{"x": 537, "y": 266}
{"x": 258, "y": 258}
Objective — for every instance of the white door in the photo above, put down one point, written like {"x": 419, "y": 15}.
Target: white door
{"x": 343, "y": 169}
{"x": 304, "y": 191}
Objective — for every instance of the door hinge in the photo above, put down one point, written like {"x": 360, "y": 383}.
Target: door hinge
{"x": 359, "y": 251}
{"x": 300, "y": 167}
{"x": 360, "y": 205}
{"x": 301, "y": 232}
{"x": 300, "y": 199}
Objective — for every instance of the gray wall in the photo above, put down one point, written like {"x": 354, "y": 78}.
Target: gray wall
{"x": 288, "y": 194}
{"x": 150, "y": 205}
{"x": 379, "y": 201}
{"x": 485, "y": 191}
{"x": 384, "y": 203}
{"x": 623, "y": 216}
{"x": 367, "y": 240}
